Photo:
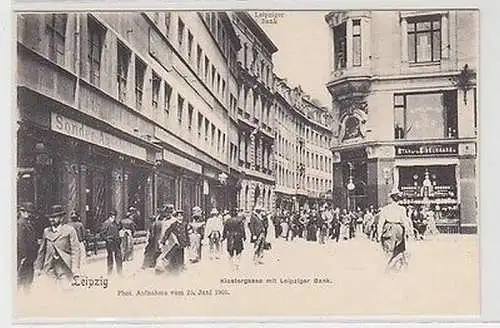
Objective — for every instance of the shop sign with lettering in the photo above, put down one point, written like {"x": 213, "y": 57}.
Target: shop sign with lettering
{"x": 94, "y": 136}
{"x": 427, "y": 150}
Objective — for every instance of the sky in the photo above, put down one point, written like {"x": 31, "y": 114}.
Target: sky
{"x": 303, "y": 57}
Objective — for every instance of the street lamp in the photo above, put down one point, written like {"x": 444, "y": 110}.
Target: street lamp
{"x": 350, "y": 185}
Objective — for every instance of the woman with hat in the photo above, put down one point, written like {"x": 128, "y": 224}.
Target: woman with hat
{"x": 127, "y": 230}
{"x": 196, "y": 234}
{"x": 59, "y": 255}
{"x": 394, "y": 227}
{"x": 213, "y": 232}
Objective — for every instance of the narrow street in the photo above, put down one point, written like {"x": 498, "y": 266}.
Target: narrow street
{"x": 439, "y": 281}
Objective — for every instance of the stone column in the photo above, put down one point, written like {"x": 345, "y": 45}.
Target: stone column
{"x": 404, "y": 40}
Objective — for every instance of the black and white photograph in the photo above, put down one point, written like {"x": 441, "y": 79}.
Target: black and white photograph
{"x": 246, "y": 163}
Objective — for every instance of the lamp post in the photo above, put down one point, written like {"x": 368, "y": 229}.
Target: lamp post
{"x": 350, "y": 186}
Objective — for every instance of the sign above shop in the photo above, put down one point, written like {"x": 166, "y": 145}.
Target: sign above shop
{"x": 426, "y": 150}
{"x": 94, "y": 136}
{"x": 180, "y": 161}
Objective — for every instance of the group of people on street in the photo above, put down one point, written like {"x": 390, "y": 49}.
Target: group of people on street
{"x": 59, "y": 252}
{"x": 173, "y": 238}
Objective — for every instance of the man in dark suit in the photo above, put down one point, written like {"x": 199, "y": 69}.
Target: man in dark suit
{"x": 27, "y": 246}
{"x": 234, "y": 234}
{"x": 110, "y": 232}
{"x": 59, "y": 254}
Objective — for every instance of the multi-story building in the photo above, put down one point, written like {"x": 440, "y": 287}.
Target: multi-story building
{"x": 130, "y": 109}
{"x": 403, "y": 90}
{"x": 303, "y": 156}
{"x": 256, "y": 114}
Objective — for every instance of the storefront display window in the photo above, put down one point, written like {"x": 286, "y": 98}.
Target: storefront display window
{"x": 431, "y": 188}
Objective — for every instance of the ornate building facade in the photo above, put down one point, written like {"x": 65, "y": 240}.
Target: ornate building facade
{"x": 303, "y": 156}
{"x": 256, "y": 113}
{"x": 130, "y": 109}
{"x": 404, "y": 92}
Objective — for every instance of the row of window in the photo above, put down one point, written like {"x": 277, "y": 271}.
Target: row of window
{"x": 260, "y": 68}
{"x": 204, "y": 68}
{"x": 423, "y": 37}
{"x": 253, "y": 104}
{"x": 261, "y": 155}
{"x": 291, "y": 179}
{"x": 311, "y": 136}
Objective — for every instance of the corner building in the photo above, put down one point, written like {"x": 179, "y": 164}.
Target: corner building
{"x": 403, "y": 90}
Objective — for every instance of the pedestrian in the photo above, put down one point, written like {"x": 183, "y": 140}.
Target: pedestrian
{"x": 213, "y": 233}
{"x": 127, "y": 231}
{"x": 394, "y": 227}
{"x": 196, "y": 231}
{"x": 59, "y": 253}
{"x": 80, "y": 232}
{"x": 153, "y": 249}
{"x": 110, "y": 232}
{"x": 322, "y": 227}
{"x": 271, "y": 227}
{"x": 234, "y": 234}
{"x": 258, "y": 234}
{"x": 177, "y": 231}
{"x": 27, "y": 246}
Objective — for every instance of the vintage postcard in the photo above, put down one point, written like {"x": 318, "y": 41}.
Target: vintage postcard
{"x": 247, "y": 163}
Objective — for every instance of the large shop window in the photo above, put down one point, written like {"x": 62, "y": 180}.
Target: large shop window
{"x": 136, "y": 194}
{"x": 165, "y": 190}
{"x": 425, "y": 116}
{"x": 97, "y": 199}
{"x": 424, "y": 40}
{"x": 434, "y": 187}
{"x": 57, "y": 37}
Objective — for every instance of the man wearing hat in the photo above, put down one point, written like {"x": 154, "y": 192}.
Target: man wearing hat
{"x": 59, "y": 254}
{"x": 27, "y": 246}
{"x": 110, "y": 232}
{"x": 394, "y": 227}
{"x": 213, "y": 232}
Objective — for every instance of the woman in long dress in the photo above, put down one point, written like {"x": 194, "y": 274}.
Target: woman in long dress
{"x": 196, "y": 228}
